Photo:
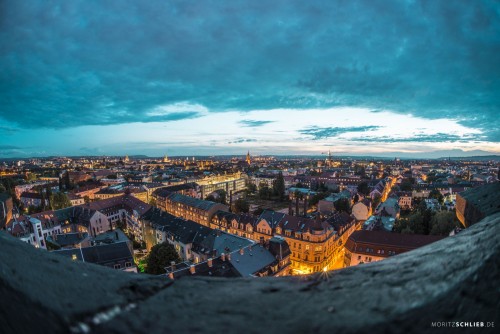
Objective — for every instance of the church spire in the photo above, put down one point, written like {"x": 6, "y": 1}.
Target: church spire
{"x": 248, "y": 157}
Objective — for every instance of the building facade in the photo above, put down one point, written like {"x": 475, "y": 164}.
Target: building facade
{"x": 314, "y": 244}
{"x": 371, "y": 246}
{"x": 190, "y": 208}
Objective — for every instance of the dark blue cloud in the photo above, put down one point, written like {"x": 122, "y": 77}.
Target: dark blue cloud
{"x": 323, "y": 133}
{"x": 242, "y": 140}
{"x": 423, "y": 138}
{"x": 69, "y": 63}
{"x": 253, "y": 123}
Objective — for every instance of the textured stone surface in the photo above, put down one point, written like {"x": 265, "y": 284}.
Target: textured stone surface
{"x": 455, "y": 279}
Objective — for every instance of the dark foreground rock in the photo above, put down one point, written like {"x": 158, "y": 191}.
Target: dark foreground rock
{"x": 453, "y": 280}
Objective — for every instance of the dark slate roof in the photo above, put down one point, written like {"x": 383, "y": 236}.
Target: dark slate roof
{"x": 408, "y": 241}
{"x": 279, "y": 248}
{"x": 272, "y": 217}
{"x": 224, "y": 242}
{"x": 191, "y": 201}
{"x": 254, "y": 259}
{"x": 220, "y": 214}
{"x": 165, "y": 191}
{"x": 31, "y": 195}
{"x": 219, "y": 269}
{"x": 102, "y": 254}
{"x": 116, "y": 235}
{"x": 339, "y": 220}
{"x": 126, "y": 202}
{"x": 67, "y": 239}
{"x": 203, "y": 239}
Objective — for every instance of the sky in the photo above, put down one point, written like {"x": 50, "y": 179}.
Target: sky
{"x": 373, "y": 77}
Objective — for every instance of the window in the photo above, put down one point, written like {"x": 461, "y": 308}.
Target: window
{"x": 128, "y": 264}
{"x": 117, "y": 266}
{"x": 73, "y": 257}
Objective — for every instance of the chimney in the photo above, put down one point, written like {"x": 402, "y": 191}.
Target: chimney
{"x": 229, "y": 256}
{"x": 172, "y": 265}
{"x": 192, "y": 269}
{"x": 209, "y": 262}
{"x": 223, "y": 257}
{"x": 242, "y": 251}
{"x": 116, "y": 234}
{"x": 171, "y": 276}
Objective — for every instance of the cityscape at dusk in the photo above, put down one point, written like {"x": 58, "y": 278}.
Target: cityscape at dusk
{"x": 389, "y": 78}
{"x": 249, "y": 166}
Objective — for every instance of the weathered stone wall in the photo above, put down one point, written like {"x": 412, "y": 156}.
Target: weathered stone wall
{"x": 455, "y": 279}
{"x": 476, "y": 203}
{"x": 467, "y": 213}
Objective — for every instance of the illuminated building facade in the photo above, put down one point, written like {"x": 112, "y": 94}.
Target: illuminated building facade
{"x": 314, "y": 244}
{"x": 230, "y": 183}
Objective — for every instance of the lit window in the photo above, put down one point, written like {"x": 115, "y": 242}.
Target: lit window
{"x": 73, "y": 257}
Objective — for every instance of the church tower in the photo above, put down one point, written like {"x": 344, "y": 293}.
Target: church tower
{"x": 248, "y": 158}
{"x": 329, "y": 159}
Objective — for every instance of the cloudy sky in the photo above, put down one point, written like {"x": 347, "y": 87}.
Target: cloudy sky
{"x": 379, "y": 77}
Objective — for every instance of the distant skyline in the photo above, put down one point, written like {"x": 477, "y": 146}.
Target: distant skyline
{"x": 382, "y": 78}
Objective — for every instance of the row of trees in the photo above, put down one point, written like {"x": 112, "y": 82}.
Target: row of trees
{"x": 426, "y": 221}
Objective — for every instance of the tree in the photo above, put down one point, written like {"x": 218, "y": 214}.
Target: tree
{"x": 152, "y": 202}
{"x": 241, "y": 205}
{"x": 376, "y": 201}
{"x": 316, "y": 198}
{"x": 437, "y": 195}
{"x": 222, "y": 196}
{"x": 359, "y": 170}
{"x": 67, "y": 181}
{"x": 443, "y": 223}
{"x": 343, "y": 204}
{"x": 363, "y": 188}
{"x": 59, "y": 201}
{"x": 251, "y": 188}
{"x": 416, "y": 223}
{"x": 265, "y": 192}
{"x": 60, "y": 184}
{"x": 160, "y": 257}
{"x": 86, "y": 199}
{"x": 279, "y": 186}
{"x": 406, "y": 186}
{"x": 356, "y": 198}
{"x": 218, "y": 196}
